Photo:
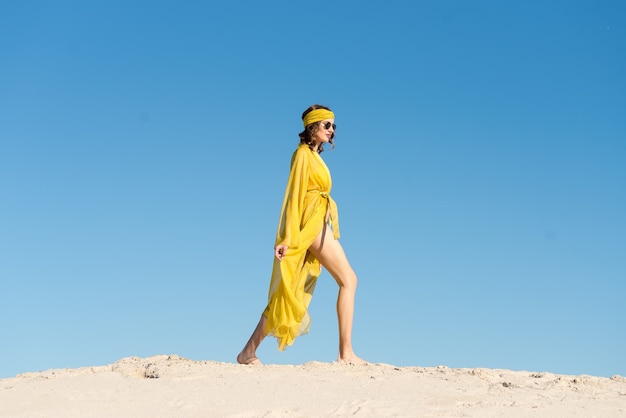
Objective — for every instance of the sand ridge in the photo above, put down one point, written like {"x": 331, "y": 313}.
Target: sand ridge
{"x": 173, "y": 386}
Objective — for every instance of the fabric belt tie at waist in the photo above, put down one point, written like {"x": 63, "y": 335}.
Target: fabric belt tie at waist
{"x": 331, "y": 212}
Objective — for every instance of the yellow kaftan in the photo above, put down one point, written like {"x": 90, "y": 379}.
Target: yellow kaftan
{"x": 307, "y": 207}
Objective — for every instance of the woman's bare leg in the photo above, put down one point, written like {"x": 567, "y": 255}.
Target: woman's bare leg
{"x": 248, "y": 354}
{"x": 332, "y": 256}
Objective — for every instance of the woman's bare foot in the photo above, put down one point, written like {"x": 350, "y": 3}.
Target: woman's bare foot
{"x": 250, "y": 361}
{"x": 248, "y": 354}
{"x": 352, "y": 359}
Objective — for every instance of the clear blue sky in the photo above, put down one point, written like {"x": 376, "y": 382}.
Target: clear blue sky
{"x": 479, "y": 169}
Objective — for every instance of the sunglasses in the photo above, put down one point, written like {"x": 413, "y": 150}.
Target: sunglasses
{"x": 327, "y": 125}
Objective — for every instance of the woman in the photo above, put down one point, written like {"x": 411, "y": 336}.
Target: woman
{"x": 307, "y": 239}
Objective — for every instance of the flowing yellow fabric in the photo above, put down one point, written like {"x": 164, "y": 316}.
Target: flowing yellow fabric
{"x": 307, "y": 207}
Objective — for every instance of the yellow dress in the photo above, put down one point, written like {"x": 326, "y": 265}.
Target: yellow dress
{"x": 307, "y": 207}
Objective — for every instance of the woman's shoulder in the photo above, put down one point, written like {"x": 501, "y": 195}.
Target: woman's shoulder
{"x": 302, "y": 155}
{"x": 303, "y": 149}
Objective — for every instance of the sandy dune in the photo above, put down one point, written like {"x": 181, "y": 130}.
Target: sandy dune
{"x": 172, "y": 386}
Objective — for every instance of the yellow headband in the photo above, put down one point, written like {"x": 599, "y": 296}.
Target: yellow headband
{"x": 317, "y": 115}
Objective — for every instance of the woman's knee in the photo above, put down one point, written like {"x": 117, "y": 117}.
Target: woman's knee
{"x": 348, "y": 281}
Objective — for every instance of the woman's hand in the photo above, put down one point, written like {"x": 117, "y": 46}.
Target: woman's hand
{"x": 279, "y": 252}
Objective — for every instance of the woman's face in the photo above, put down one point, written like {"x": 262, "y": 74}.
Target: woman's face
{"x": 325, "y": 132}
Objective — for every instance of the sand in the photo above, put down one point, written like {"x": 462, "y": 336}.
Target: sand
{"x": 172, "y": 386}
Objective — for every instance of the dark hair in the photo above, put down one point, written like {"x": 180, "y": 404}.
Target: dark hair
{"x": 306, "y": 136}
